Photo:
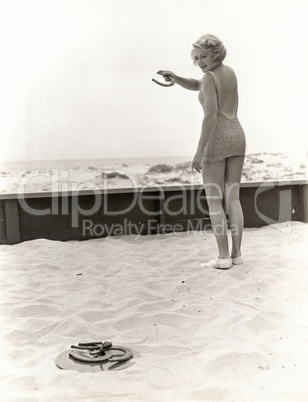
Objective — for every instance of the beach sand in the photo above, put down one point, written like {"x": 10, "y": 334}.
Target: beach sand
{"x": 202, "y": 334}
{"x": 83, "y": 175}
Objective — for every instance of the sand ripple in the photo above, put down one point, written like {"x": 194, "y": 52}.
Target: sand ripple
{"x": 233, "y": 335}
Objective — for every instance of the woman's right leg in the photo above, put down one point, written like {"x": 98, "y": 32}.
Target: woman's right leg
{"x": 233, "y": 172}
{"x": 213, "y": 181}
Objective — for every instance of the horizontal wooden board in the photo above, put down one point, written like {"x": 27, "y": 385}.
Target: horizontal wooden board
{"x": 86, "y": 215}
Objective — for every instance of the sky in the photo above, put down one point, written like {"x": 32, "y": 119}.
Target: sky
{"x": 76, "y": 77}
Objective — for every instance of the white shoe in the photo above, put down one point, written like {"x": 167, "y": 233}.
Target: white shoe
{"x": 237, "y": 261}
{"x": 218, "y": 263}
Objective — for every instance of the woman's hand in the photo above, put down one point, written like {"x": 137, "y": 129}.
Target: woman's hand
{"x": 196, "y": 163}
{"x": 168, "y": 75}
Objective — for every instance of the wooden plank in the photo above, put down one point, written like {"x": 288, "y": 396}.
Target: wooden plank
{"x": 95, "y": 230}
{"x": 272, "y": 204}
{"x": 112, "y": 210}
{"x": 304, "y": 203}
{"x": 12, "y": 221}
{"x": 187, "y": 205}
{"x": 3, "y": 235}
{"x": 145, "y": 212}
{"x": 162, "y": 210}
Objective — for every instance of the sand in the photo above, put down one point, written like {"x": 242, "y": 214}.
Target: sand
{"x": 210, "y": 335}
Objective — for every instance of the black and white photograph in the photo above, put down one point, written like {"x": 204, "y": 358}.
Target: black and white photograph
{"x": 153, "y": 200}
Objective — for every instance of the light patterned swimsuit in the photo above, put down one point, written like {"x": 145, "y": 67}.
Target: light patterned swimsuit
{"x": 228, "y": 138}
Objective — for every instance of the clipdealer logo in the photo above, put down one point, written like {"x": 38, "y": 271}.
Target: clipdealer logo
{"x": 66, "y": 200}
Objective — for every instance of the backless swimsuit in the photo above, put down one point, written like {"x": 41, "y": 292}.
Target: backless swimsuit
{"x": 228, "y": 138}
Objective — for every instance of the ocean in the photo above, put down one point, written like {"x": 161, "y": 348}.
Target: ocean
{"x": 28, "y": 165}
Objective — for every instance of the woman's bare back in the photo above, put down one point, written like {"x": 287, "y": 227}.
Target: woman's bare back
{"x": 228, "y": 87}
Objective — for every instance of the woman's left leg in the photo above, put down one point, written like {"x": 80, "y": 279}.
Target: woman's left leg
{"x": 213, "y": 180}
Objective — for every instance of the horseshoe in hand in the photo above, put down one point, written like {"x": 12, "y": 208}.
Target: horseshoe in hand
{"x": 165, "y": 84}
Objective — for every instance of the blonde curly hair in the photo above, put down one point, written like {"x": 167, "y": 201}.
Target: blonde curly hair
{"x": 212, "y": 44}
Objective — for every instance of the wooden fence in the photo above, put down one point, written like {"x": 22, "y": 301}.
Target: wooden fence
{"x": 86, "y": 214}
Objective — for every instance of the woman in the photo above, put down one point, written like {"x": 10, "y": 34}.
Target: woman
{"x": 221, "y": 148}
